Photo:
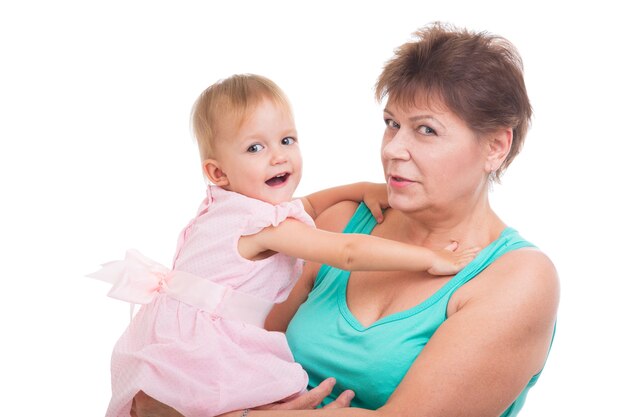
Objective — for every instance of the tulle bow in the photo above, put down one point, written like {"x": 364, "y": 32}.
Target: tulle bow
{"x": 136, "y": 279}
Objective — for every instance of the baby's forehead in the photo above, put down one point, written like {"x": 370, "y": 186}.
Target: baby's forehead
{"x": 252, "y": 118}
{"x": 240, "y": 114}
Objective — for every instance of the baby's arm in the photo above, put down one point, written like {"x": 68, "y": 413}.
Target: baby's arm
{"x": 352, "y": 251}
{"x": 374, "y": 195}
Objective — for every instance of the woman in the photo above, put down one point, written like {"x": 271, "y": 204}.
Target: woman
{"x": 412, "y": 345}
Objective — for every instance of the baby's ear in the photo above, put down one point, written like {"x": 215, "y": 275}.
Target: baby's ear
{"x": 214, "y": 173}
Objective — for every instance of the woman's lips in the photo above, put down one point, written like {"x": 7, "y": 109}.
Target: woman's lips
{"x": 399, "y": 182}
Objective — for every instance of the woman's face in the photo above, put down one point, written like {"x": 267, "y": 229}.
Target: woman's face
{"x": 432, "y": 160}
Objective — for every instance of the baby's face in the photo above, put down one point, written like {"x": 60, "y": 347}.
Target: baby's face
{"x": 262, "y": 158}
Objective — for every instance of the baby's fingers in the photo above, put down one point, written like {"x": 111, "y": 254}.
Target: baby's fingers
{"x": 376, "y": 209}
{"x": 377, "y": 212}
{"x": 468, "y": 255}
{"x": 473, "y": 251}
{"x": 452, "y": 246}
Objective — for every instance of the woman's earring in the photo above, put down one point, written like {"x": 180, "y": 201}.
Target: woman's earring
{"x": 493, "y": 177}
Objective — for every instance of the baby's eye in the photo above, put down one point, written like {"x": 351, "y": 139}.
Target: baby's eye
{"x": 390, "y": 123}
{"x": 257, "y": 147}
{"x": 288, "y": 140}
{"x": 425, "y": 130}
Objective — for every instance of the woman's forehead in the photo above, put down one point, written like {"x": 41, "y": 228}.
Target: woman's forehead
{"x": 419, "y": 100}
{"x": 418, "y": 106}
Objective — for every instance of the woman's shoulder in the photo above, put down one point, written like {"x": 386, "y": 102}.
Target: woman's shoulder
{"x": 512, "y": 261}
{"x": 335, "y": 218}
{"x": 512, "y": 303}
{"x": 528, "y": 267}
{"x": 522, "y": 277}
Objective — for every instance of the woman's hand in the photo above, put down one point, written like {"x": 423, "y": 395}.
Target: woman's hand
{"x": 146, "y": 406}
{"x": 307, "y": 401}
{"x": 311, "y": 399}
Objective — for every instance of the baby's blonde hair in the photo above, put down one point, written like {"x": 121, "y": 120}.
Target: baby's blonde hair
{"x": 230, "y": 100}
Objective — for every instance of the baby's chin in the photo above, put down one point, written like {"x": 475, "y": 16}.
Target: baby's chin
{"x": 275, "y": 200}
{"x": 276, "y": 193}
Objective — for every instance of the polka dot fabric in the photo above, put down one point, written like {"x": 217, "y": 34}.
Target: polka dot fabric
{"x": 194, "y": 360}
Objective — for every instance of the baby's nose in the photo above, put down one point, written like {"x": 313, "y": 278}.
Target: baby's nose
{"x": 278, "y": 157}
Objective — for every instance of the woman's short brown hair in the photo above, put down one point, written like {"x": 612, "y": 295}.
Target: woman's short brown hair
{"x": 478, "y": 76}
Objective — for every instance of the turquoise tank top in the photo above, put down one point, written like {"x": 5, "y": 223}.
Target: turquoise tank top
{"x": 328, "y": 341}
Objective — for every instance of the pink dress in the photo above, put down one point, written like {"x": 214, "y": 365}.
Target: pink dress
{"x": 198, "y": 344}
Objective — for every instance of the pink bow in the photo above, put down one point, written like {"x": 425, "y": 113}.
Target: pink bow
{"x": 136, "y": 279}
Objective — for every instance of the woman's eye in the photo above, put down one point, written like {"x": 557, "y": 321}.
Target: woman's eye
{"x": 425, "y": 130}
{"x": 255, "y": 148}
{"x": 288, "y": 141}
{"x": 390, "y": 123}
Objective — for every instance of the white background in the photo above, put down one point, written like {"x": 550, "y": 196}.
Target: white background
{"x": 96, "y": 156}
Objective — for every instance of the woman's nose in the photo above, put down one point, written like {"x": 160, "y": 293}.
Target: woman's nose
{"x": 395, "y": 147}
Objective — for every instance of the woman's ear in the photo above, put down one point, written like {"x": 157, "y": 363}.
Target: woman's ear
{"x": 498, "y": 147}
{"x": 214, "y": 173}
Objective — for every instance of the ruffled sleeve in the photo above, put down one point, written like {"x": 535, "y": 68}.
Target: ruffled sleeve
{"x": 270, "y": 215}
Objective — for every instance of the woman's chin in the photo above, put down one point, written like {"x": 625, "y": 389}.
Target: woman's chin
{"x": 405, "y": 203}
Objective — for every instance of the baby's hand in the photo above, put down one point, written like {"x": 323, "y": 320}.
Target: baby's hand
{"x": 448, "y": 262}
{"x": 375, "y": 198}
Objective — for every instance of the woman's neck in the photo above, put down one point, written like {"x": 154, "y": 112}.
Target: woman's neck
{"x": 435, "y": 228}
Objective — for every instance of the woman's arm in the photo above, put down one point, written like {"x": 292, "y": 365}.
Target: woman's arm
{"x": 146, "y": 406}
{"x": 281, "y": 314}
{"x": 373, "y": 195}
{"x": 496, "y": 338}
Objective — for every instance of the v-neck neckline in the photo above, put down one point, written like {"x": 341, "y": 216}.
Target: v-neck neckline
{"x": 342, "y": 294}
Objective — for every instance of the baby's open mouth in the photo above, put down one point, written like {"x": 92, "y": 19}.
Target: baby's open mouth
{"x": 278, "y": 179}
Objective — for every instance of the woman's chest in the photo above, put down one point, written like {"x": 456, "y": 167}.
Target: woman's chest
{"x": 372, "y": 296}
{"x": 389, "y": 331}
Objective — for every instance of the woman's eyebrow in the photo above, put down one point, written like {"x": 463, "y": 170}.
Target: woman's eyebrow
{"x": 422, "y": 117}
{"x": 412, "y": 118}
{"x": 417, "y": 118}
